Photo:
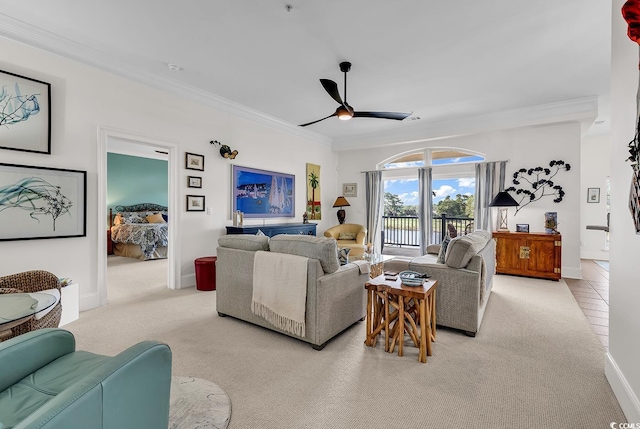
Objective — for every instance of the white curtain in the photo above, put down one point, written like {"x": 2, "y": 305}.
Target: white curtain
{"x": 425, "y": 208}
{"x": 374, "y": 194}
{"x": 489, "y": 181}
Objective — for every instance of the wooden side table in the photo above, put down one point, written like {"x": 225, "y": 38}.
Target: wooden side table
{"x": 395, "y": 308}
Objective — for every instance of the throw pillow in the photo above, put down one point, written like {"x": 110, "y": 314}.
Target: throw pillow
{"x": 443, "y": 249}
{"x": 347, "y": 236}
{"x": 155, "y": 218}
{"x": 343, "y": 255}
{"x": 165, "y": 217}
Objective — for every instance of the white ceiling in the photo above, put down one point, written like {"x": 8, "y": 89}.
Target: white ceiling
{"x": 439, "y": 60}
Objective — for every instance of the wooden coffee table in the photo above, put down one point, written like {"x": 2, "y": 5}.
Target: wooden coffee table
{"x": 396, "y": 309}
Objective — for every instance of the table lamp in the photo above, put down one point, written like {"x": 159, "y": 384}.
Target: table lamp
{"x": 341, "y": 202}
{"x": 503, "y": 199}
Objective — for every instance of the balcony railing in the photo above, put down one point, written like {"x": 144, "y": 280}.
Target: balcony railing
{"x": 405, "y": 230}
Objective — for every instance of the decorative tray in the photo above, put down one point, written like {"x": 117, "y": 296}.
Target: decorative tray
{"x": 412, "y": 278}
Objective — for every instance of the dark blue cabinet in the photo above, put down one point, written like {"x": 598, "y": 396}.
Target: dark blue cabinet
{"x": 275, "y": 229}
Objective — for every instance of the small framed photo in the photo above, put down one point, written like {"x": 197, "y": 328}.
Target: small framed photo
{"x": 194, "y": 161}
{"x": 522, "y": 227}
{"x": 195, "y": 203}
{"x": 350, "y": 189}
{"x": 194, "y": 182}
{"x": 593, "y": 195}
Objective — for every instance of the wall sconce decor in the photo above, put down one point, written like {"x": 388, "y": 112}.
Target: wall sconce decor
{"x": 225, "y": 150}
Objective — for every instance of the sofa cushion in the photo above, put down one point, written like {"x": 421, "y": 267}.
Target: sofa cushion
{"x": 323, "y": 249}
{"x": 244, "y": 242}
{"x": 443, "y": 249}
{"x": 461, "y": 249}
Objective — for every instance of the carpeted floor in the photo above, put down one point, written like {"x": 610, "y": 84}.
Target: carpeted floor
{"x": 535, "y": 363}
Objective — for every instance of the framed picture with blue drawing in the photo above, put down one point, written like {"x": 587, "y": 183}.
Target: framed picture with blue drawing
{"x": 42, "y": 202}
{"x": 25, "y": 114}
{"x": 262, "y": 193}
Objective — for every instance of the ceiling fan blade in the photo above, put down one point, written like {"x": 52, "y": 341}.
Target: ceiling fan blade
{"x": 332, "y": 88}
{"x": 309, "y": 123}
{"x": 382, "y": 115}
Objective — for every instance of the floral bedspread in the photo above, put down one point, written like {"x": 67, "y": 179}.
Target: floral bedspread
{"x": 148, "y": 236}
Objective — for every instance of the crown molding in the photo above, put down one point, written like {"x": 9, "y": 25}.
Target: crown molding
{"x": 578, "y": 110}
{"x": 29, "y": 35}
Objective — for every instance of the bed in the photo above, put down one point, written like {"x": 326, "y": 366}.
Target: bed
{"x": 139, "y": 231}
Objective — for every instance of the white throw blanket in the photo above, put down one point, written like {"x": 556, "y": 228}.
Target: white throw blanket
{"x": 280, "y": 290}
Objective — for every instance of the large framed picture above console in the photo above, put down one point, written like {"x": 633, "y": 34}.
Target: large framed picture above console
{"x": 262, "y": 193}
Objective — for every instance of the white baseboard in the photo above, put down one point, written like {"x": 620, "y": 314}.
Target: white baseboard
{"x": 594, "y": 254}
{"x": 87, "y": 302}
{"x": 187, "y": 281}
{"x": 572, "y": 272}
{"x": 624, "y": 393}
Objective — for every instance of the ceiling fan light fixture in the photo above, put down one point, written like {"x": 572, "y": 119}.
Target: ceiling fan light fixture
{"x": 344, "y": 114}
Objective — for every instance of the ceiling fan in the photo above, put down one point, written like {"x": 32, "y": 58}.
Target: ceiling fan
{"x": 345, "y": 111}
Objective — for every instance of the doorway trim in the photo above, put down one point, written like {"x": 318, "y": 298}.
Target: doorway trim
{"x": 173, "y": 251}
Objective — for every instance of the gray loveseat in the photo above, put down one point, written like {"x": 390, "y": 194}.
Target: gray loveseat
{"x": 464, "y": 279}
{"x": 335, "y": 298}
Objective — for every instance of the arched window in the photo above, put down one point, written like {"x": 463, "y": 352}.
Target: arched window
{"x": 452, "y": 185}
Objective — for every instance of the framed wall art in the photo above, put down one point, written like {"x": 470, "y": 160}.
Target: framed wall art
{"x": 25, "y": 114}
{"x": 314, "y": 206}
{"x": 593, "y": 195}
{"x": 261, "y": 193}
{"x": 41, "y": 202}
{"x": 194, "y": 182}
{"x": 194, "y": 161}
{"x": 349, "y": 189}
{"x": 195, "y": 203}
{"x": 522, "y": 227}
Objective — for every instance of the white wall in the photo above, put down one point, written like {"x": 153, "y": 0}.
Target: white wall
{"x": 84, "y": 98}
{"x": 524, "y": 148}
{"x": 595, "y": 168}
{"x": 621, "y": 365}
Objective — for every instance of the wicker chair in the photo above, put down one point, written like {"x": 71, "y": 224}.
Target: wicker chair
{"x": 30, "y": 282}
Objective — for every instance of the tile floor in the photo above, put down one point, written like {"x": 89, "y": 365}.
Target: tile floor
{"x": 592, "y": 294}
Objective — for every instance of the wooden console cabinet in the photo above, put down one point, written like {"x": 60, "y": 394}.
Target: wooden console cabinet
{"x": 529, "y": 254}
{"x": 275, "y": 229}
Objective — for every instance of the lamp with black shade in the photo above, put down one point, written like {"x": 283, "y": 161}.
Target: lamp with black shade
{"x": 503, "y": 200}
{"x": 341, "y": 202}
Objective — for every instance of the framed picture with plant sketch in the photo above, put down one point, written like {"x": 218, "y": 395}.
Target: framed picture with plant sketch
{"x": 194, "y": 161}
{"x": 25, "y": 114}
{"x": 194, "y": 182}
{"x": 195, "y": 203}
{"x": 42, "y": 202}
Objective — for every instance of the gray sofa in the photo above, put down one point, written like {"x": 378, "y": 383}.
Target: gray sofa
{"x": 335, "y": 299}
{"x": 464, "y": 279}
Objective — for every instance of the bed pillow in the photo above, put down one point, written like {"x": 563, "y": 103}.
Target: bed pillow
{"x": 117, "y": 220}
{"x": 134, "y": 217}
{"x": 155, "y": 218}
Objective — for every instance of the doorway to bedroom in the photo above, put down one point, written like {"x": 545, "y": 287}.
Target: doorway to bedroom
{"x": 152, "y": 265}
{"x": 137, "y": 198}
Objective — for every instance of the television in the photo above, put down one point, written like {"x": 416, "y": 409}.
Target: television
{"x": 262, "y": 193}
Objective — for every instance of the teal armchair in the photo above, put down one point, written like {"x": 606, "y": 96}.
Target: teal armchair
{"x": 46, "y": 383}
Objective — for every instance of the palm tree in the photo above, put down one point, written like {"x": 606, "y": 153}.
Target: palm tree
{"x": 313, "y": 182}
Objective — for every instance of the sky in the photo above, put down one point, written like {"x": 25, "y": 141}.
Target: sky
{"x": 407, "y": 189}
